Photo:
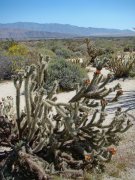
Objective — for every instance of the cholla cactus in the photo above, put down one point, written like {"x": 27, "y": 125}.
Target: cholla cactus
{"x": 6, "y": 107}
{"x": 92, "y": 51}
{"x": 122, "y": 64}
{"x": 67, "y": 136}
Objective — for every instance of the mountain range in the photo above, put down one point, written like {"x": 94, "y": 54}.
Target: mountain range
{"x": 30, "y": 30}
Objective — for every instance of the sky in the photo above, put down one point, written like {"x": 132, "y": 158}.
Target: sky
{"x": 118, "y": 14}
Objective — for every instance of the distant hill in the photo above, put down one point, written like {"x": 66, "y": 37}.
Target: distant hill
{"x": 24, "y": 30}
{"x": 21, "y": 34}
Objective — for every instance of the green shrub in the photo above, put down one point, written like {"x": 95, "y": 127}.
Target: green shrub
{"x": 63, "y": 52}
{"x": 6, "y": 44}
{"x": 10, "y": 64}
{"x": 127, "y": 49}
{"x": 5, "y": 67}
{"x": 46, "y": 52}
{"x": 82, "y": 48}
{"x": 78, "y": 54}
{"x": 65, "y": 73}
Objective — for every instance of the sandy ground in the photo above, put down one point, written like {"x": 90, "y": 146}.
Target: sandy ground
{"x": 126, "y": 101}
{"x": 123, "y": 165}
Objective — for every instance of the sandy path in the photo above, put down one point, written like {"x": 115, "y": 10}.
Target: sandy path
{"x": 7, "y": 89}
{"x": 127, "y": 101}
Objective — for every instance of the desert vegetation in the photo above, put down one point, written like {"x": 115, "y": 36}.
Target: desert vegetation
{"x": 16, "y": 55}
{"x": 49, "y": 138}
{"x": 122, "y": 65}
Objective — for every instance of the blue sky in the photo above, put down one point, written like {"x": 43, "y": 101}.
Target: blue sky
{"x": 88, "y": 13}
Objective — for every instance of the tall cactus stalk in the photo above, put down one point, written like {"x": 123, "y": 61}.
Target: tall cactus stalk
{"x": 69, "y": 136}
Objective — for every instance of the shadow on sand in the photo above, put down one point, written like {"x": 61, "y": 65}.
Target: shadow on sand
{"x": 126, "y": 102}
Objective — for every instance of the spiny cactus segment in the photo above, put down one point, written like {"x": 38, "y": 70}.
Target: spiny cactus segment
{"x": 64, "y": 137}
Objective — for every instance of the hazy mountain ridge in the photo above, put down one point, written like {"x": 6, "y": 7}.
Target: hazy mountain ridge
{"x": 55, "y": 30}
{"x": 29, "y": 34}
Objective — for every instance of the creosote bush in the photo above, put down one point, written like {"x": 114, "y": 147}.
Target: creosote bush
{"x": 64, "y": 53}
{"x": 49, "y": 138}
{"x": 66, "y": 73}
{"x": 9, "y": 65}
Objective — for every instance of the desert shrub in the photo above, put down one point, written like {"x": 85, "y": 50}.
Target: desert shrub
{"x": 32, "y": 57}
{"x": 9, "y": 65}
{"x": 82, "y": 49}
{"x": 122, "y": 65}
{"x": 74, "y": 44}
{"x": 18, "y": 56}
{"x": 77, "y": 54}
{"x": 54, "y": 44}
{"x": 64, "y": 53}
{"x": 132, "y": 72}
{"x": 5, "y": 67}
{"x": 109, "y": 51}
{"x": 127, "y": 49}
{"x": 6, "y": 44}
{"x": 46, "y": 52}
{"x": 18, "y": 50}
{"x": 18, "y": 63}
{"x": 65, "y": 73}
{"x": 51, "y": 44}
